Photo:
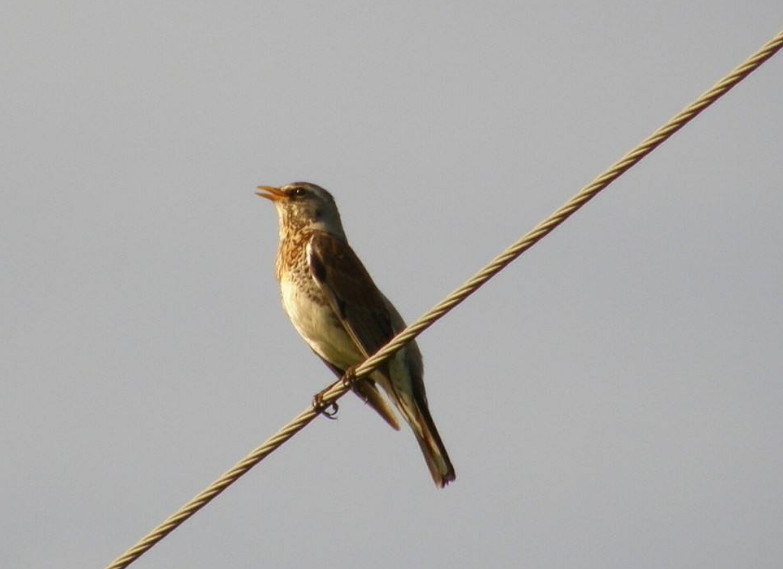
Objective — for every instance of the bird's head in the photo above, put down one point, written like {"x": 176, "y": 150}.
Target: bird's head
{"x": 304, "y": 206}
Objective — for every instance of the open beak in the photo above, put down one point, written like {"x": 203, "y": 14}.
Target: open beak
{"x": 271, "y": 193}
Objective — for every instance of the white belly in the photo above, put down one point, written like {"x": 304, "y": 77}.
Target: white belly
{"x": 319, "y": 326}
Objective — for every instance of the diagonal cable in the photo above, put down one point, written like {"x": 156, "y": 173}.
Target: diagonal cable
{"x": 340, "y": 387}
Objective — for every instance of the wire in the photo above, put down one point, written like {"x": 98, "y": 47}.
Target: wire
{"x": 340, "y": 387}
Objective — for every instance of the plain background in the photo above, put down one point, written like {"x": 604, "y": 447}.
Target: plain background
{"x": 613, "y": 399}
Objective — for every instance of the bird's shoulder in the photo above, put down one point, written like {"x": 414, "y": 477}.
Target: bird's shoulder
{"x": 332, "y": 257}
{"x": 345, "y": 281}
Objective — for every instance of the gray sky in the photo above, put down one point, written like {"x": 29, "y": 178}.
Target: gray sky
{"x": 613, "y": 399}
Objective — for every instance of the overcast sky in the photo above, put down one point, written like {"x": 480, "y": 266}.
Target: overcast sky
{"x": 612, "y": 400}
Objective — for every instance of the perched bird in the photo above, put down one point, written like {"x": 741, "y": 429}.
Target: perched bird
{"x": 336, "y": 307}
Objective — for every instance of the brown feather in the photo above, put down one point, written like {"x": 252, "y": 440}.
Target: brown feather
{"x": 371, "y": 321}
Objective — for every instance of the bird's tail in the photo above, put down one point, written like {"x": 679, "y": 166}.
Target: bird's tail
{"x": 431, "y": 444}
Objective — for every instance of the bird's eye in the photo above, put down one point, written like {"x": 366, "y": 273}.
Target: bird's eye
{"x": 298, "y": 192}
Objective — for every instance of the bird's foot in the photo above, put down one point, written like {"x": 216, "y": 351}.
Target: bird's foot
{"x": 328, "y": 410}
{"x": 349, "y": 377}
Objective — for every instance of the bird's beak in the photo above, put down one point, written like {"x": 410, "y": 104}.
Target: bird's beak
{"x": 271, "y": 193}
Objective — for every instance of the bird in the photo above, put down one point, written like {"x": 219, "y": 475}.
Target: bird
{"x": 338, "y": 310}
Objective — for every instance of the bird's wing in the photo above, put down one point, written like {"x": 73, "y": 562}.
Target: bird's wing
{"x": 371, "y": 321}
{"x": 358, "y": 304}
{"x": 351, "y": 293}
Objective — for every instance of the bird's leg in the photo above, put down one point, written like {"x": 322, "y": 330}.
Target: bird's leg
{"x": 329, "y": 411}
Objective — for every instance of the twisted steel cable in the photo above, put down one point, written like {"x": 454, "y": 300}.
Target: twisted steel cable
{"x": 340, "y": 387}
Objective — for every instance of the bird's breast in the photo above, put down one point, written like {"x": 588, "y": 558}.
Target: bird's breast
{"x": 316, "y": 322}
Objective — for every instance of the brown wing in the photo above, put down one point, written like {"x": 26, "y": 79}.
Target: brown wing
{"x": 358, "y": 304}
{"x": 371, "y": 321}
{"x": 350, "y": 291}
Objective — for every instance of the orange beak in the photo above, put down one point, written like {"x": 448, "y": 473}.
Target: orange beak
{"x": 271, "y": 193}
